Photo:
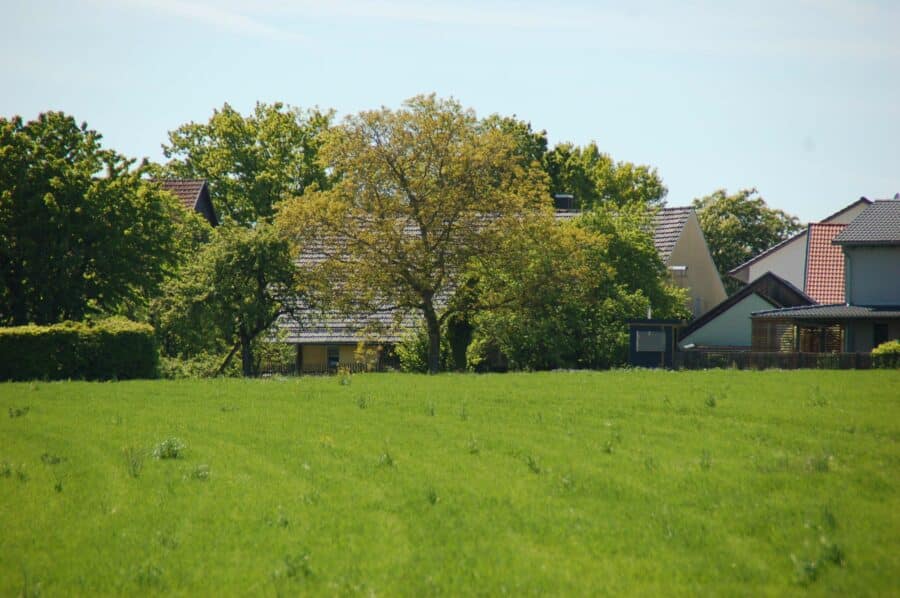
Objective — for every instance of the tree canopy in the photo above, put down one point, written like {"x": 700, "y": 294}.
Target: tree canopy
{"x": 420, "y": 192}
{"x": 594, "y": 178}
{"x": 231, "y": 293}
{"x": 740, "y": 226}
{"x": 80, "y": 232}
{"x": 558, "y": 294}
{"x": 251, "y": 162}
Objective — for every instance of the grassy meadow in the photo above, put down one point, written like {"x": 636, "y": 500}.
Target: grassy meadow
{"x": 630, "y": 482}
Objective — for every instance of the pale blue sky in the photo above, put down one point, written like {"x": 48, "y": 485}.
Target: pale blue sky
{"x": 800, "y": 99}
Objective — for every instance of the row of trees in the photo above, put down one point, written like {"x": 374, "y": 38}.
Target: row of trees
{"x": 428, "y": 209}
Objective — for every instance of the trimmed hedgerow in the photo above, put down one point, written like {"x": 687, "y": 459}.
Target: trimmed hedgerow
{"x": 107, "y": 349}
{"x": 887, "y": 355}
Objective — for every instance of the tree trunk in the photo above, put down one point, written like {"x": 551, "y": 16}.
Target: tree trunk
{"x": 434, "y": 338}
{"x": 246, "y": 356}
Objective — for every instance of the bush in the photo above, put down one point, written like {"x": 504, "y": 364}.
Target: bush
{"x": 115, "y": 348}
{"x": 887, "y": 355}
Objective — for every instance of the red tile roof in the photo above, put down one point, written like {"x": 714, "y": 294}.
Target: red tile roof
{"x": 824, "y": 264}
{"x": 187, "y": 190}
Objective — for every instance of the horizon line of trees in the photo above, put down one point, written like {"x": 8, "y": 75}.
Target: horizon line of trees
{"x": 84, "y": 233}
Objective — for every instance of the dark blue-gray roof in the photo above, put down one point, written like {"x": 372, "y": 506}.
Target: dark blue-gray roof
{"x": 831, "y": 312}
{"x": 879, "y": 224}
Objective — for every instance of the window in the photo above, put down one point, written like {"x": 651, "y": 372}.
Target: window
{"x": 651, "y": 341}
{"x": 879, "y": 334}
{"x": 334, "y": 356}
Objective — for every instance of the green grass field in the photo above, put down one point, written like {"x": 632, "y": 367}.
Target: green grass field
{"x": 653, "y": 483}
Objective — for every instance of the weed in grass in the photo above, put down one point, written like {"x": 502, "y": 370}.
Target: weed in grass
{"x": 311, "y": 497}
{"x": 33, "y": 386}
{"x": 819, "y": 463}
{"x": 429, "y": 409}
{"x": 463, "y": 412}
{"x": 200, "y": 473}
{"x": 608, "y": 447}
{"x": 710, "y": 401}
{"x": 170, "y": 448}
{"x": 474, "y": 449}
{"x": 18, "y": 411}
{"x": 50, "y": 459}
{"x": 326, "y": 441}
{"x": 432, "y": 496}
{"x": 650, "y": 464}
{"x": 134, "y": 461}
{"x": 30, "y": 588}
{"x": 167, "y": 541}
{"x": 5, "y": 470}
{"x": 829, "y": 521}
{"x": 816, "y": 399}
{"x": 386, "y": 459}
{"x": 117, "y": 420}
{"x": 228, "y": 408}
{"x": 149, "y": 575}
{"x": 362, "y": 402}
{"x": 567, "y": 482}
{"x": 21, "y": 474}
{"x": 279, "y": 520}
{"x": 533, "y": 464}
{"x": 705, "y": 461}
{"x": 344, "y": 377}
{"x": 297, "y": 566}
{"x": 58, "y": 484}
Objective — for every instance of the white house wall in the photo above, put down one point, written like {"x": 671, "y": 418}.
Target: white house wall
{"x": 788, "y": 262}
{"x": 700, "y": 277}
{"x": 731, "y": 328}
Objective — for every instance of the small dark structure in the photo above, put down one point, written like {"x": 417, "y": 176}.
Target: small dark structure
{"x": 651, "y": 343}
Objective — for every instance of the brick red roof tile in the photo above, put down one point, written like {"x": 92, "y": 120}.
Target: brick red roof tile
{"x": 824, "y": 264}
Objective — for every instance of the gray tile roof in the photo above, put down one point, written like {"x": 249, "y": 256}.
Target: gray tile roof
{"x": 667, "y": 227}
{"x": 831, "y": 312}
{"x": 879, "y": 224}
{"x": 309, "y": 326}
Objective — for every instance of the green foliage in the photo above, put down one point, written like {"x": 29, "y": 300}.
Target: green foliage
{"x": 740, "y": 226}
{"x": 595, "y": 179}
{"x": 422, "y": 190}
{"x": 558, "y": 295}
{"x": 227, "y": 296}
{"x": 170, "y": 448}
{"x": 412, "y": 351}
{"x": 80, "y": 231}
{"x": 251, "y": 162}
{"x": 887, "y": 355}
{"x": 114, "y": 348}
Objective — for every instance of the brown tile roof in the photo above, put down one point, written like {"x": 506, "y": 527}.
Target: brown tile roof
{"x": 879, "y": 224}
{"x": 824, "y": 264}
{"x": 186, "y": 190}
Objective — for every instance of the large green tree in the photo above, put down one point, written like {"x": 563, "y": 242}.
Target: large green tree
{"x": 80, "y": 232}
{"x": 594, "y": 178}
{"x": 227, "y": 296}
{"x": 421, "y": 192}
{"x": 739, "y": 226}
{"x": 251, "y": 162}
{"x": 558, "y": 294}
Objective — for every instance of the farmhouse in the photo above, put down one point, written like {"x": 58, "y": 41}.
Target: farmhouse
{"x": 867, "y": 312}
{"x": 326, "y": 341}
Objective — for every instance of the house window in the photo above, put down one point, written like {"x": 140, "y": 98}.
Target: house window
{"x": 879, "y": 334}
{"x": 651, "y": 341}
{"x": 334, "y": 356}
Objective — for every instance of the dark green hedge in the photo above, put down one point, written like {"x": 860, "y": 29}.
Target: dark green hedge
{"x": 103, "y": 350}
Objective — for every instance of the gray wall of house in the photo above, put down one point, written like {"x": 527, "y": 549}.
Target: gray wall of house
{"x": 732, "y": 328}
{"x": 860, "y": 335}
{"x": 872, "y": 275}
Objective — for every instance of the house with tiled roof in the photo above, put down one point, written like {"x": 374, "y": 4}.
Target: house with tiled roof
{"x": 193, "y": 195}
{"x": 325, "y": 341}
{"x": 869, "y": 312}
{"x": 788, "y": 259}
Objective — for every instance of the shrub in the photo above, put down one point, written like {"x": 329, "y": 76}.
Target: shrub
{"x": 887, "y": 355}
{"x": 115, "y": 348}
{"x": 170, "y": 448}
